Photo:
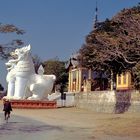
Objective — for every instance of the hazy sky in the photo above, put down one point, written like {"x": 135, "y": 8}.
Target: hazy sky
{"x": 54, "y": 28}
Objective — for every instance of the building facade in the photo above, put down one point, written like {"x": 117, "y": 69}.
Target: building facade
{"x": 85, "y": 80}
{"x": 124, "y": 81}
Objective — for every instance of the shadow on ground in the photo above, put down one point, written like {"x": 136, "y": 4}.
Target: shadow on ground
{"x": 24, "y": 125}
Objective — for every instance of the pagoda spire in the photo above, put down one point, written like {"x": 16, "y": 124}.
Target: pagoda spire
{"x": 96, "y": 17}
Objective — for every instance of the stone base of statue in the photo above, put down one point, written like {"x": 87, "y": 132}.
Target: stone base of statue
{"x": 33, "y": 104}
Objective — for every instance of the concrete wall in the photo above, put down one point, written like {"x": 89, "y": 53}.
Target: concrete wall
{"x": 67, "y": 101}
{"x": 134, "y": 102}
{"x": 109, "y": 101}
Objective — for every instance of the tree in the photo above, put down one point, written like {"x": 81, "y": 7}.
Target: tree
{"x": 37, "y": 62}
{"x": 136, "y": 75}
{"x": 5, "y": 49}
{"x": 56, "y": 67}
{"x": 1, "y": 88}
{"x": 115, "y": 44}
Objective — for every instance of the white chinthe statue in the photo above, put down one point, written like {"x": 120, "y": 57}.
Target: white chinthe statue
{"x": 23, "y": 82}
{"x": 11, "y": 78}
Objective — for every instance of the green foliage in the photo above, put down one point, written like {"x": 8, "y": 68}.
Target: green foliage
{"x": 56, "y": 67}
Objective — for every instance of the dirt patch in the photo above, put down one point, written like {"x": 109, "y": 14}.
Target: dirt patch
{"x": 123, "y": 125}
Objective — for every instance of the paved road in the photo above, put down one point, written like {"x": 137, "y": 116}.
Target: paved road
{"x": 68, "y": 124}
{"x": 21, "y": 128}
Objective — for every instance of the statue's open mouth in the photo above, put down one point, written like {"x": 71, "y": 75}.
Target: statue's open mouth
{"x": 13, "y": 55}
{"x": 8, "y": 64}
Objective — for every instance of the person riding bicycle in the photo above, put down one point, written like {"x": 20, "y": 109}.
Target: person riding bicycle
{"x": 7, "y": 108}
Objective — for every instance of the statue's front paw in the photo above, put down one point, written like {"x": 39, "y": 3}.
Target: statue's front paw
{"x": 8, "y": 97}
{"x": 16, "y": 98}
{"x": 30, "y": 98}
{"x": 33, "y": 98}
